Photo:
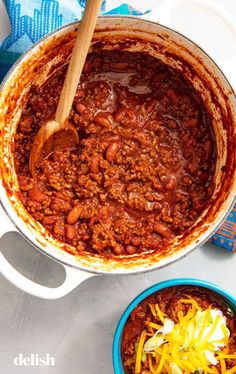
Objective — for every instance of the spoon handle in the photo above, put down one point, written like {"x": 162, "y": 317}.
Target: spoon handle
{"x": 78, "y": 57}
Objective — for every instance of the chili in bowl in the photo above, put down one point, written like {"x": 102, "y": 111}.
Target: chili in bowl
{"x": 177, "y": 326}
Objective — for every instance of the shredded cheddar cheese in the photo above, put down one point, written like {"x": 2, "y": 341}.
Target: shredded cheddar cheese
{"x": 140, "y": 352}
{"x": 231, "y": 371}
{"x": 222, "y": 365}
{"x": 196, "y": 343}
{"x": 160, "y": 313}
{"x": 190, "y": 300}
{"x": 154, "y": 325}
{"x": 153, "y": 310}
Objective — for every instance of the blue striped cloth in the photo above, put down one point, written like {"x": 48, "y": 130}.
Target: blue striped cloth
{"x": 32, "y": 19}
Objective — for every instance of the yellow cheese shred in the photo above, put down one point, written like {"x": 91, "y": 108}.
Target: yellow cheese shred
{"x": 162, "y": 360}
{"x": 139, "y": 352}
{"x": 222, "y": 355}
{"x": 225, "y": 332}
{"x": 231, "y": 371}
{"x": 153, "y": 310}
{"x": 223, "y": 366}
{"x": 167, "y": 369}
{"x": 189, "y": 300}
{"x": 154, "y": 325}
{"x": 160, "y": 313}
{"x": 208, "y": 336}
{"x": 150, "y": 363}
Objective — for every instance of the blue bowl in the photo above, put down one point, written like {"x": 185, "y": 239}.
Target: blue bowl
{"x": 116, "y": 354}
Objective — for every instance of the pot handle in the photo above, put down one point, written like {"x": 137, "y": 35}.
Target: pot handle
{"x": 163, "y": 12}
{"x": 73, "y": 277}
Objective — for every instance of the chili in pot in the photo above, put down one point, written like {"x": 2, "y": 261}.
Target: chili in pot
{"x": 143, "y": 171}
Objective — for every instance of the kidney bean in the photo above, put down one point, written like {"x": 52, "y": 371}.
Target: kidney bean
{"x": 130, "y": 249}
{"x": 85, "y": 237}
{"x": 103, "y": 121}
{"x": 167, "y": 219}
{"x": 162, "y": 230}
{"x": 118, "y": 249}
{"x": 74, "y": 215}
{"x": 112, "y": 150}
{"x": 127, "y": 240}
{"x": 37, "y": 195}
{"x": 70, "y": 232}
{"x": 136, "y": 241}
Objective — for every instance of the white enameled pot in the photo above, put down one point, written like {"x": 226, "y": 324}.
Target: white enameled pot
{"x": 135, "y": 35}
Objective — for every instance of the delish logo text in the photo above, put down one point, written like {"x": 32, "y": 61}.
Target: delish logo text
{"x": 34, "y": 359}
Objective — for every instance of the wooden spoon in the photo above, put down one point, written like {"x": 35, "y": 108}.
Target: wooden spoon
{"x": 49, "y": 132}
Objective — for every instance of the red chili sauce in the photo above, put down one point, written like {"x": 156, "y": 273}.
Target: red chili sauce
{"x": 143, "y": 170}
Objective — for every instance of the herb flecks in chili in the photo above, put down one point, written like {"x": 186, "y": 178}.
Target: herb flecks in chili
{"x": 143, "y": 170}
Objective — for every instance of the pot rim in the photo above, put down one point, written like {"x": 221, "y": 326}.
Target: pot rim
{"x": 116, "y": 356}
{"x": 128, "y": 271}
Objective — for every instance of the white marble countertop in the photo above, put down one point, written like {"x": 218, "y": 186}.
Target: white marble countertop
{"x": 78, "y": 329}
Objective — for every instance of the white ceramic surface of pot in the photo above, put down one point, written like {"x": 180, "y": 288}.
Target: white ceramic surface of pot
{"x": 36, "y": 66}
